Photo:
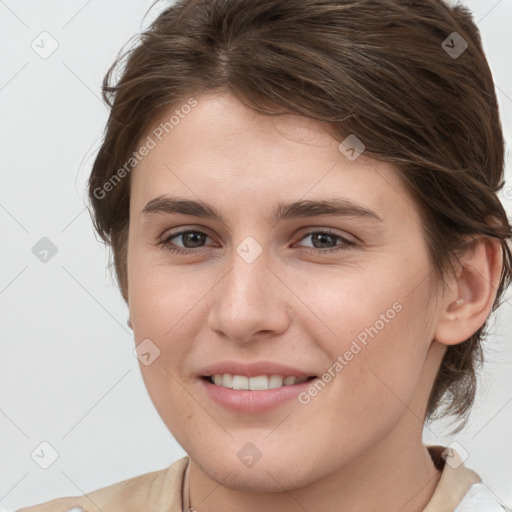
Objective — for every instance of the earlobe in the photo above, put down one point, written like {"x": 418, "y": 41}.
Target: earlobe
{"x": 467, "y": 305}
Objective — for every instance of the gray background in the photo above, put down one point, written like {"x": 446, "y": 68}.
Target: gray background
{"x": 68, "y": 376}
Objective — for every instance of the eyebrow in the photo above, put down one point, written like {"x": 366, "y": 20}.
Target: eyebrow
{"x": 284, "y": 211}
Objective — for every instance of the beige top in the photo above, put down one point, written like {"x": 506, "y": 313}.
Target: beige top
{"x": 161, "y": 491}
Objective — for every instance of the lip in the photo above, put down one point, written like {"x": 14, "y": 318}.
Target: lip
{"x": 253, "y": 402}
{"x": 253, "y": 369}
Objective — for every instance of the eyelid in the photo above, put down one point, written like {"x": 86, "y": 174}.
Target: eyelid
{"x": 347, "y": 242}
{"x": 170, "y": 234}
{"x": 333, "y": 232}
{"x": 310, "y": 230}
{"x": 184, "y": 229}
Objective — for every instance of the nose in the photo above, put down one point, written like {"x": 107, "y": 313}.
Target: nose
{"x": 250, "y": 302}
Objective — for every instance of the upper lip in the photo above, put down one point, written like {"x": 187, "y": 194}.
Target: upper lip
{"x": 253, "y": 369}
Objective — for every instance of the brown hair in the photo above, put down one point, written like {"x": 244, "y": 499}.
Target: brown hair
{"x": 378, "y": 69}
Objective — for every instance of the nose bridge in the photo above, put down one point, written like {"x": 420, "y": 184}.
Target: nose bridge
{"x": 247, "y": 300}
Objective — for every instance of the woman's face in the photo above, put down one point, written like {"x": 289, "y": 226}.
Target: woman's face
{"x": 339, "y": 292}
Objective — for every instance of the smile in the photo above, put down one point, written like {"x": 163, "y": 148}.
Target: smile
{"x": 258, "y": 383}
{"x": 253, "y": 395}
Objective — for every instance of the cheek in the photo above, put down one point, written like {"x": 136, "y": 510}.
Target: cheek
{"x": 163, "y": 299}
{"x": 167, "y": 307}
{"x": 162, "y": 309}
{"x": 162, "y": 306}
{"x": 380, "y": 332}
{"x": 374, "y": 382}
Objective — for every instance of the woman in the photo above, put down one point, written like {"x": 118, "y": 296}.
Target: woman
{"x": 301, "y": 201}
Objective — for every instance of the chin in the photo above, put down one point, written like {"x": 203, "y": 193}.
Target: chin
{"x": 274, "y": 473}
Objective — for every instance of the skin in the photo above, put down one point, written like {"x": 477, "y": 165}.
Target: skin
{"x": 357, "y": 445}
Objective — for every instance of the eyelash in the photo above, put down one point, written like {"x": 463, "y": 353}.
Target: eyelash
{"x": 165, "y": 243}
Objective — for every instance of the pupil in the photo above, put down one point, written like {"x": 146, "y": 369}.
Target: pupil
{"x": 190, "y": 237}
{"x": 319, "y": 236}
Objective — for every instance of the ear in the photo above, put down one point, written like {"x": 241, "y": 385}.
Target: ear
{"x": 470, "y": 294}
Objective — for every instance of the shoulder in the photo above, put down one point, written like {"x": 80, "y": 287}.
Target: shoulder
{"x": 131, "y": 495}
{"x": 480, "y": 499}
{"x": 460, "y": 489}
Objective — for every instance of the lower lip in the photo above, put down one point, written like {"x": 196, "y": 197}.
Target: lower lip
{"x": 253, "y": 402}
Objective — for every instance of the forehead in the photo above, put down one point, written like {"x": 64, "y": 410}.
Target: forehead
{"x": 221, "y": 148}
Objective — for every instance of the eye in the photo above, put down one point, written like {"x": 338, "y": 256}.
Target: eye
{"x": 191, "y": 239}
{"x": 329, "y": 238}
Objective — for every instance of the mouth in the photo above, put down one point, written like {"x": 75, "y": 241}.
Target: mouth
{"x": 258, "y": 383}
{"x": 253, "y": 395}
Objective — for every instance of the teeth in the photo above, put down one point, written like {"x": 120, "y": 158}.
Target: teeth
{"x": 226, "y": 380}
{"x": 259, "y": 383}
{"x": 239, "y": 382}
{"x": 275, "y": 381}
